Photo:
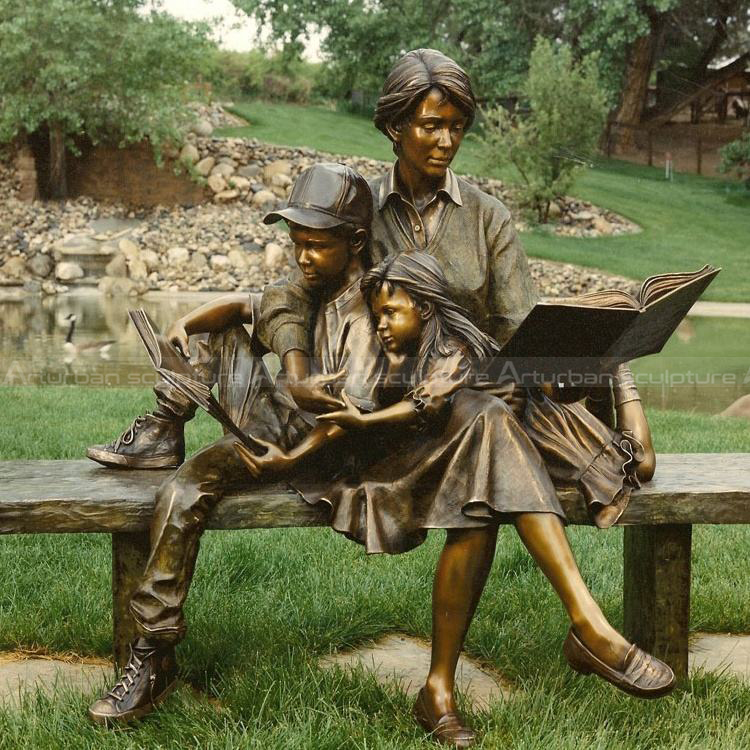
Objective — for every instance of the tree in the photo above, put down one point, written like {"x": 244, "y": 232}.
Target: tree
{"x": 735, "y": 157}
{"x": 111, "y": 70}
{"x": 551, "y": 143}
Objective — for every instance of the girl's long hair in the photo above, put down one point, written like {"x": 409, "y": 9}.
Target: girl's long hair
{"x": 419, "y": 275}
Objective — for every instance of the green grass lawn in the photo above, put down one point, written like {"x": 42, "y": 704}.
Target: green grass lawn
{"x": 267, "y": 604}
{"x": 686, "y": 223}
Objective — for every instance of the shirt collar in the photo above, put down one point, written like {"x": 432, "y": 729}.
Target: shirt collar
{"x": 389, "y": 187}
{"x": 348, "y": 298}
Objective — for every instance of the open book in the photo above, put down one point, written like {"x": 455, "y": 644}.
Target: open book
{"x": 600, "y": 330}
{"x": 177, "y": 371}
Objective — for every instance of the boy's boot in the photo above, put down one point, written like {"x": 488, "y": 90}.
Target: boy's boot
{"x": 148, "y": 678}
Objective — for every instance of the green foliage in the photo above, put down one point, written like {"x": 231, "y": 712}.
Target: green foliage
{"x": 275, "y": 77}
{"x": 104, "y": 69}
{"x": 551, "y": 143}
{"x": 735, "y": 157}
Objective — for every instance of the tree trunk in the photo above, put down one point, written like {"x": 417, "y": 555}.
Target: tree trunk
{"x": 634, "y": 93}
{"x": 58, "y": 183}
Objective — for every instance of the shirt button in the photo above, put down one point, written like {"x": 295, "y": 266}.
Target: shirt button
{"x": 417, "y": 228}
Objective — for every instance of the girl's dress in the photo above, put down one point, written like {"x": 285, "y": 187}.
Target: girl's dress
{"x": 466, "y": 463}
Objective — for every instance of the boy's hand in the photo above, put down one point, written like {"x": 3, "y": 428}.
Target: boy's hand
{"x": 311, "y": 393}
{"x": 274, "y": 460}
{"x": 178, "y": 337}
{"x": 349, "y": 418}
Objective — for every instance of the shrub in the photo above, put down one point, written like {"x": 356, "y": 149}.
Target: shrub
{"x": 735, "y": 157}
{"x": 555, "y": 132}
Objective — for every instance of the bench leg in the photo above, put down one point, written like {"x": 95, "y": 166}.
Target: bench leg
{"x": 129, "y": 556}
{"x": 657, "y": 591}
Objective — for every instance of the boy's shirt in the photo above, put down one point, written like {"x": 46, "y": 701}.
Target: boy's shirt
{"x": 344, "y": 339}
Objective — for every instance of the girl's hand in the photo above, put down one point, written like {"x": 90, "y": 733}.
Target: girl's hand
{"x": 349, "y": 418}
{"x": 177, "y": 336}
{"x": 274, "y": 460}
{"x": 312, "y": 394}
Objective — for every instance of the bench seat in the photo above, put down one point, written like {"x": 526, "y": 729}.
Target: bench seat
{"x": 79, "y": 496}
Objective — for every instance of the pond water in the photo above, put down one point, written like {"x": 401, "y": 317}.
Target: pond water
{"x": 704, "y": 367}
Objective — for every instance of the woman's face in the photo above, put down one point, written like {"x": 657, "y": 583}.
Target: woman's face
{"x": 430, "y": 139}
{"x": 399, "y": 322}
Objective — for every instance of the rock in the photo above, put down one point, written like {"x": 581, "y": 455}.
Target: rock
{"x": 189, "y": 154}
{"x": 199, "y": 260}
{"x": 555, "y": 212}
{"x": 219, "y": 262}
{"x": 280, "y": 166}
{"x": 275, "y": 256}
{"x": 151, "y": 259}
{"x": 279, "y": 191}
{"x": 240, "y": 183}
{"x": 137, "y": 269}
{"x": 264, "y": 198}
{"x": 15, "y": 267}
{"x": 281, "y": 180}
{"x": 33, "y": 286}
{"x": 177, "y": 256}
{"x": 40, "y": 265}
{"x": 223, "y": 169}
{"x": 128, "y": 248}
{"x": 117, "y": 267}
{"x": 202, "y": 128}
{"x": 50, "y": 287}
{"x": 76, "y": 244}
{"x": 739, "y": 408}
{"x": 111, "y": 286}
{"x": 237, "y": 259}
{"x": 249, "y": 172}
{"x": 204, "y": 166}
{"x": 226, "y": 195}
{"x": 583, "y": 216}
{"x": 602, "y": 226}
{"x": 67, "y": 271}
{"x": 217, "y": 183}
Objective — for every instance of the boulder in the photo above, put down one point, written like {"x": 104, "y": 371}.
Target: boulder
{"x": 602, "y": 226}
{"x": 76, "y": 244}
{"x": 40, "y": 265}
{"x": 219, "y": 262}
{"x": 275, "y": 256}
{"x": 177, "y": 256}
{"x": 117, "y": 267}
{"x": 237, "y": 259}
{"x": 67, "y": 271}
{"x": 217, "y": 183}
{"x": 264, "y": 198}
{"x": 151, "y": 259}
{"x": 128, "y": 248}
{"x": 204, "y": 166}
{"x": 281, "y": 180}
{"x": 225, "y": 196}
{"x": 202, "y": 128}
{"x": 240, "y": 183}
{"x": 199, "y": 260}
{"x": 111, "y": 286}
{"x": 223, "y": 169}
{"x": 280, "y": 166}
{"x": 555, "y": 212}
{"x": 250, "y": 171}
{"x": 189, "y": 154}
{"x": 15, "y": 267}
{"x": 137, "y": 269}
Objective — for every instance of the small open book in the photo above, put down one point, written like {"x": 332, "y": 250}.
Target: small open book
{"x": 599, "y": 330}
{"x": 177, "y": 371}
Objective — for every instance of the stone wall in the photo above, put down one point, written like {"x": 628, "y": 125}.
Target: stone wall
{"x": 130, "y": 175}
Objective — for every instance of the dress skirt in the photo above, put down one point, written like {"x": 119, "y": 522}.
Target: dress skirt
{"x": 473, "y": 467}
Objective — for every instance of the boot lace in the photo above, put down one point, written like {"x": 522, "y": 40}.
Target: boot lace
{"x": 128, "y": 436}
{"x": 129, "y": 676}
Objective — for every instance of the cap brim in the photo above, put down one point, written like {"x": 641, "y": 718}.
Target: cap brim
{"x": 306, "y": 217}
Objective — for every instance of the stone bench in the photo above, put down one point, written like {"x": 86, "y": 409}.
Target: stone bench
{"x": 78, "y": 496}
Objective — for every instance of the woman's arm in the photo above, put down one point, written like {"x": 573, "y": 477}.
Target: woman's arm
{"x": 402, "y": 413}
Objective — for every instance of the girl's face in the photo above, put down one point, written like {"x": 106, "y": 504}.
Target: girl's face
{"x": 399, "y": 320}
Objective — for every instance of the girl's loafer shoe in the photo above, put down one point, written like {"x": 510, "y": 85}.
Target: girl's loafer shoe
{"x": 447, "y": 729}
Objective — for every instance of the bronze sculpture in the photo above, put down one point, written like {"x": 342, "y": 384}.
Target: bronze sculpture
{"x": 425, "y": 108}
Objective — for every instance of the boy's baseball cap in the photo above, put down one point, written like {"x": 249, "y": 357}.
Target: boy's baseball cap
{"x": 326, "y": 196}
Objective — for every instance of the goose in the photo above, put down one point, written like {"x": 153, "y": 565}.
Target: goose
{"x": 88, "y": 347}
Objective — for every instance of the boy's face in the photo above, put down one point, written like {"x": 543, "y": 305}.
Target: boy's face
{"x": 322, "y": 255}
{"x": 399, "y": 323}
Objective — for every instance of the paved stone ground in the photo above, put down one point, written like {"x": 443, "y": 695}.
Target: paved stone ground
{"x": 22, "y": 675}
{"x": 721, "y": 652}
{"x": 406, "y": 661}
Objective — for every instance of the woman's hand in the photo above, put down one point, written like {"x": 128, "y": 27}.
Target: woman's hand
{"x": 178, "y": 337}
{"x": 350, "y": 418}
{"x": 274, "y": 460}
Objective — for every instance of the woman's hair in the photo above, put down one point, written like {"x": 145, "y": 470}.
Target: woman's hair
{"x": 411, "y": 79}
{"x": 419, "y": 275}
